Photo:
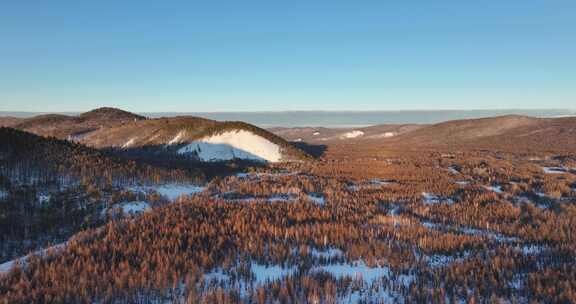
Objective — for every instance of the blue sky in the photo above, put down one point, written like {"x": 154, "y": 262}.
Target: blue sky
{"x": 199, "y": 56}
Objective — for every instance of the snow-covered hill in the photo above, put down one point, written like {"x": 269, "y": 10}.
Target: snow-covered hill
{"x": 234, "y": 144}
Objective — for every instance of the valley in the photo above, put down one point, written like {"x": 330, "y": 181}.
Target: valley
{"x": 113, "y": 207}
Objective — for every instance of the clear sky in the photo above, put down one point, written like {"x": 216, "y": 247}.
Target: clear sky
{"x": 150, "y": 56}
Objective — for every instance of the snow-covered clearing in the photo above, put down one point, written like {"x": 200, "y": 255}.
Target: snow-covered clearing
{"x": 443, "y": 260}
{"x": 530, "y": 249}
{"x": 281, "y": 198}
{"x": 327, "y": 253}
{"x": 170, "y": 191}
{"x": 432, "y": 199}
{"x": 353, "y": 134}
{"x": 554, "y": 170}
{"x": 496, "y": 189}
{"x": 358, "y": 270}
{"x": 133, "y": 208}
{"x": 371, "y": 184}
{"x": 237, "y": 144}
{"x": 316, "y": 198}
{"x": 380, "y": 182}
{"x": 269, "y": 273}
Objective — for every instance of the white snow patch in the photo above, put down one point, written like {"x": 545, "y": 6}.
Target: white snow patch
{"x": 432, "y": 199}
{"x": 177, "y": 139}
{"x": 133, "y": 208}
{"x": 496, "y": 189}
{"x": 380, "y": 182}
{"x": 327, "y": 253}
{"x": 170, "y": 191}
{"x": 462, "y": 183}
{"x": 353, "y": 134}
{"x": 298, "y": 140}
{"x": 541, "y": 194}
{"x": 442, "y": 260}
{"x": 269, "y": 273}
{"x": 554, "y": 170}
{"x": 530, "y": 249}
{"x": 316, "y": 133}
{"x": 316, "y": 198}
{"x": 237, "y": 144}
{"x": 216, "y": 275}
{"x": 3, "y": 194}
{"x": 129, "y": 143}
{"x": 357, "y": 270}
{"x": 281, "y": 198}
{"x": 389, "y": 134}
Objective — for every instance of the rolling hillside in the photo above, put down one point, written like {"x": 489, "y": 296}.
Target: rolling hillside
{"x": 191, "y": 137}
{"x": 72, "y": 127}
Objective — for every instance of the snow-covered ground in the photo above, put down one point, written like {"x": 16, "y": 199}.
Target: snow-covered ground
{"x": 496, "y": 188}
{"x": 371, "y": 184}
{"x": 133, "y": 208}
{"x": 353, "y": 134}
{"x": 358, "y": 270}
{"x": 282, "y": 198}
{"x": 380, "y": 182}
{"x": 170, "y": 191}
{"x": 431, "y": 199}
{"x": 530, "y": 249}
{"x": 236, "y": 144}
{"x": 270, "y": 273}
{"x": 129, "y": 143}
{"x": 316, "y": 198}
{"x": 7, "y": 266}
{"x": 554, "y": 170}
{"x": 326, "y": 254}
{"x": 177, "y": 139}
{"x": 443, "y": 260}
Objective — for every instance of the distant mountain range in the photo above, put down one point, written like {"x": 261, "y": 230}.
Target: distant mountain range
{"x": 507, "y": 133}
{"x": 340, "y": 119}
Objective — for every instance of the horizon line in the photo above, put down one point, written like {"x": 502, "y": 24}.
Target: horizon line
{"x": 296, "y": 111}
